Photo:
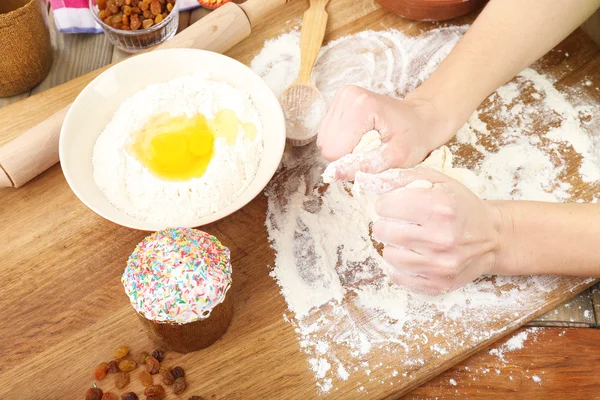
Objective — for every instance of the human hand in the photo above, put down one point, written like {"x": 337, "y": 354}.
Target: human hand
{"x": 409, "y": 129}
{"x": 436, "y": 239}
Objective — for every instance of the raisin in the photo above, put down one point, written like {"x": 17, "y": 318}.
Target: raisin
{"x": 167, "y": 378}
{"x": 135, "y": 2}
{"x": 100, "y": 371}
{"x": 127, "y": 365}
{"x": 135, "y": 22}
{"x": 137, "y": 11}
{"x": 109, "y": 396}
{"x": 164, "y": 369}
{"x": 159, "y": 355}
{"x": 158, "y": 19}
{"x": 125, "y": 20}
{"x": 179, "y": 385}
{"x": 127, "y": 2}
{"x": 127, "y": 10}
{"x": 169, "y": 7}
{"x": 146, "y": 378}
{"x": 141, "y": 358}
{"x": 121, "y": 352}
{"x": 113, "y": 367}
{"x": 102, "y": 14}
{"x": 155, "y": 7}
{"x": 122, "y": 379}
{"x": 143, "y": 6}
{"x": 147, "y": 15}
{"x": 178, "y": 372}
{"x": 94, "y": 394}
{"x": 120, "y": 3}
{"x": 113, "y": 9}
{"x": 129, "y": 396}
{"x": 154, "y": 390}
{"x": 196, "y": 398}
{"x": 101, "y": 4}
{"x": 152, "y": 364}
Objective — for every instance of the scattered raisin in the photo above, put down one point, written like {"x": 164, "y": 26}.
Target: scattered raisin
{"x": 164, "y": 369}
{"x": 178, "y": 372}
{"x": 94, "y": 394}
{"x": 159, "y": 355}
{"x": 179, "y": 385}
{"x": 129, "y": 396}
{"x": 112, "y": 367}
{"x": 100, "y": 371}
{"x": 196, "y": 398}
{"x": 167, "y": 378}
{"x": 127, "y": 365}
{"x": 122, "y": 380}
{"x": 152, "y": 365}
{"x": 154, "y": 390}
{"x": 146, "y": 378}
{"x": 110, "y": 396}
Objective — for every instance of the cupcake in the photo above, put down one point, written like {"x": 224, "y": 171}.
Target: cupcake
{"x": 178, "y": 282}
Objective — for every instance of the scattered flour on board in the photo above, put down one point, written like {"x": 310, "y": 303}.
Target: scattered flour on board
{"x": 327, "y": 266}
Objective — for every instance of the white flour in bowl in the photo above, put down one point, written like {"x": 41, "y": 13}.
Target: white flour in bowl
{"x": 133, "y": 189}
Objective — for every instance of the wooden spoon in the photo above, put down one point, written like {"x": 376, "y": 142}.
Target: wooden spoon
{"x": 302, "y": 103}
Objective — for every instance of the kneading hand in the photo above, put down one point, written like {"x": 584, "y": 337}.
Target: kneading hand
{"x": 409, "y": 129}
{"x": 436, "y": 239}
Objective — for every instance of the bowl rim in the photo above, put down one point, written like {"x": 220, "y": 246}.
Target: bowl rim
{"x": 149, "y": 226}
{"x": 94, "y": 11}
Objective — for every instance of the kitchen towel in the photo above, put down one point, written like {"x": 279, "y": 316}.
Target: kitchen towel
{"x": 74, "y": 16}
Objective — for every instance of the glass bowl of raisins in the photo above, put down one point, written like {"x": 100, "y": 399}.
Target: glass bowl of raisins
{"x": 135, "y": 25}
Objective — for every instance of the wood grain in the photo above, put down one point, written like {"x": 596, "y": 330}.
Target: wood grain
{"x": 565, "y": 361}
{"x": 74, "y": 55}
{"x": 65, "y": 309}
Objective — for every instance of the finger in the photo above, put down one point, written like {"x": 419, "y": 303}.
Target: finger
{"x": 350, "y": 117}
{"x": 391, "y": 179}
{"x": 414, "y": 205}
{"x": 413, "y": 283}
{"x": 399, "y": 233}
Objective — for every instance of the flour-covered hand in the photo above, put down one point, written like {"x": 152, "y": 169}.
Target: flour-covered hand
{"x": 409, "y": 129}
{"x": 436, "y": 239}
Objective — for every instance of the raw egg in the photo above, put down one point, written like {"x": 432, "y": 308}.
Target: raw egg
{"x": 179, "y": 148}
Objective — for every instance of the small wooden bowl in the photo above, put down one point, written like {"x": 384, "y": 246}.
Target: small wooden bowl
{"x": 25, "y": 44}
{"x": 431, "y": 10}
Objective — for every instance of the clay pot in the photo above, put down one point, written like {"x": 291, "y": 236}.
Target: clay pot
{"x": 25, "y": 43}
{"x": 431, "y": 10}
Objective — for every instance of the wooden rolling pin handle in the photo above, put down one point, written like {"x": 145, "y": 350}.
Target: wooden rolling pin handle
{"x": 257, "y": 9}
{"x": 33, "y": 152}
{"x": 36, "y": 150}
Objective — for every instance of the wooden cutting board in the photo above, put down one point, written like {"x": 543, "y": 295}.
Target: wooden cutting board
{"x": 63, "y": 309}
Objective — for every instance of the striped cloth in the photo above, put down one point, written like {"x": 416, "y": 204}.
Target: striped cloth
{"x": 74, "y": 16}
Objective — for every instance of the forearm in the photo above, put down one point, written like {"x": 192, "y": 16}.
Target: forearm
{"x": 548, "y": 238}
{"x": 508, "y": 36}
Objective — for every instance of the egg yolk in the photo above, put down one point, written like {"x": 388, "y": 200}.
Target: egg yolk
{"x": 180, "y": 148}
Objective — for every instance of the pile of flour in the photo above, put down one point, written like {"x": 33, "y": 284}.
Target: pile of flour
{"x": 133, "y": 189}
{"x": 347, "y": 314}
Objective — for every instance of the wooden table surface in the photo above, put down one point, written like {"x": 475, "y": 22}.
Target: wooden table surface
{"x": 56, "y": 324}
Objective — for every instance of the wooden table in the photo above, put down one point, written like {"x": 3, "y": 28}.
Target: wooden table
{"x": 59, "y": 320}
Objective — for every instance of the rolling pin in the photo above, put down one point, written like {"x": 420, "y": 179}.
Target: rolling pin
{"x": 36, "y": 149}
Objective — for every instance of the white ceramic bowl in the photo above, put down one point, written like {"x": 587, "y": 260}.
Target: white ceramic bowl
{"x": 96, "y": 104}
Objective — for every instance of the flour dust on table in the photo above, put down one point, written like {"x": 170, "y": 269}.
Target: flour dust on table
{"x": 345, "y": 310}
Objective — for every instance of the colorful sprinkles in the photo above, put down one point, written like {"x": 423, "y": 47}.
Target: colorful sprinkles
{"x": 177, "y": 275}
